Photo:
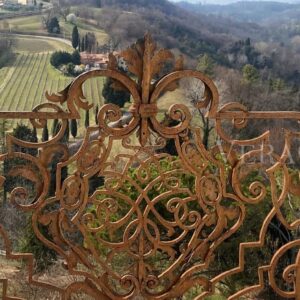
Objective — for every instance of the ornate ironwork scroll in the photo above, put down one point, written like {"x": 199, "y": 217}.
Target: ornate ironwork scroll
{"x": 155, "y": 225}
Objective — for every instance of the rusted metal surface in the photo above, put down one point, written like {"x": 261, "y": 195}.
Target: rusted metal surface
{"x": 144, "y": 232}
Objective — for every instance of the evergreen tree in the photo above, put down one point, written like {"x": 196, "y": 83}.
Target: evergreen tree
{"x": 45, "y": 133}
{"x": 66, "y": 134}
{"x": 96, "y": 114}
{"x": 82, "y": 44}
{"x": 86, "y": 43}
{"x": 76, "y": 57}
{"x": 206, "y": 65}
{"x": 250, "y": 74}
{"x": 24, "y": 133}
{"x": 3, "y": 129}
{"x": 43, "y": 255}
{"x": 278, "y": 84}
{"x": 249, "y": 50}
{"x": 87, "y": 119}
{"x": 34, "y": 133}
{"x": 54, "y": 125}
{"x": 74, "y": 128}
{"x": 53, "y": 25}
{"x": 248, "y": 42}
{"x": 90, "y": 42}
{"x": 75, "y": 37}
{"x": 60, "y": 58}
{"x": 114, "y": 95}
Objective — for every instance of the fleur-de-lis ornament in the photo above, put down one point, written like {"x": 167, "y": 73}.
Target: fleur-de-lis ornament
{"x": 145, "y": 63}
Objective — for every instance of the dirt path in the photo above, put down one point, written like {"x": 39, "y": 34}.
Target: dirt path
{"x": 44, "y": 37}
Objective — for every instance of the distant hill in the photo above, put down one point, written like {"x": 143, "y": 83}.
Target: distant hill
{"x": 174, "y": 27}
{"x": 161, "y": 5}
{"x": 225, "y": 2}
{"x": 246, "y": 11}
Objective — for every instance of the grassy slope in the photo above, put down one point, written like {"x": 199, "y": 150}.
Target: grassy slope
{"x": 25, "y": 24}
{"x": 67, "y": 28}
{"x": 37, "y": 45}
{"x": 33, "y": 24}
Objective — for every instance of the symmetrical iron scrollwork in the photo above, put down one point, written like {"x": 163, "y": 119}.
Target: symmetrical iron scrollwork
{"x": 145, "y": 232}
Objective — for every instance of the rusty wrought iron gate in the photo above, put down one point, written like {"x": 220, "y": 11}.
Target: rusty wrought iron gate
{"x": 167, "y": 213}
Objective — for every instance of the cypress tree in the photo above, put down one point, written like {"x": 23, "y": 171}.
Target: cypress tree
{"x": 23, "y": 133}
{"x": 67, "y": 134}
{"x": 29, "y": 242}
{"x": 74, "y": 128}
{"x": 82, "y": 44}
{"x": 87, "y": 119}
{"x": 34, "y": 133}
{"x": 54, "y": 125}
{"x": 45, "y": 133}
{"x": 86, "y": 43}
{"x": 75, "y": 37}
{"x": 96, "y": 114}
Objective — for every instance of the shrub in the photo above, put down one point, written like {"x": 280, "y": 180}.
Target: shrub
{"x": 44, "y": 256}
{"x": 187, "y": 181}
{"x": 53, "y": 25}
{"x": 59, "y": 58}
{"x": 227, "y": 253}
{"x": 113, "y": 94}
{"x": 79, "y": 69}
{"x": 76, "y": 58}
{"x": 70, "y": 68}
{"x": 29, "y": 243}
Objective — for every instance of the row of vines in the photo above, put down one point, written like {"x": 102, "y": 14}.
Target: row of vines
{"x": 23, "y": 85}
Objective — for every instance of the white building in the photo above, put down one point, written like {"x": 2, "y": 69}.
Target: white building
{"x": 26, "y": 2}
{"x": 21, "y": 2}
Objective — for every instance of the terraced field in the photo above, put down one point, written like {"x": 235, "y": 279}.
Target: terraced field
{"x": 23, "y": 85}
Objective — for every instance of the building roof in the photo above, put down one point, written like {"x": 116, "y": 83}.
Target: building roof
{"x": 94, "y": 58}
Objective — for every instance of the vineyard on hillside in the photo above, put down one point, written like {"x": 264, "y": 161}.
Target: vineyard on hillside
{"x": 23, "y": 85}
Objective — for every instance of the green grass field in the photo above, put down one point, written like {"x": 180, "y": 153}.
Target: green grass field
{"x": 24, "y": 24}
{"x": 38, "y": 45}
{"x": 33, "y": 24}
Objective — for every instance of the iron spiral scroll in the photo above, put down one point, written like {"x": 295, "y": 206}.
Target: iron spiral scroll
{"x": 145, "y": 232}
